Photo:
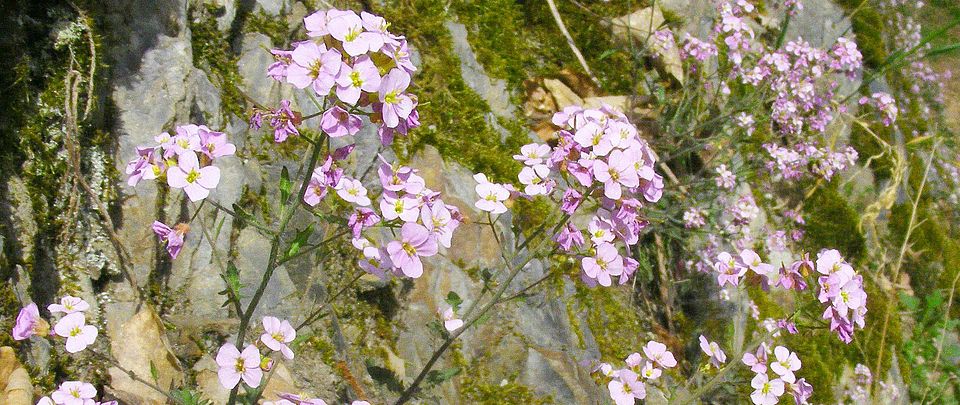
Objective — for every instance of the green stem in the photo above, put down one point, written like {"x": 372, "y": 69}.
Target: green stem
{"x": 273, "y": 262}
{"x": 496, "y": 299}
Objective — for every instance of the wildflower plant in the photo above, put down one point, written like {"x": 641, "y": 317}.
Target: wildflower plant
{"x": 771, "y": 107}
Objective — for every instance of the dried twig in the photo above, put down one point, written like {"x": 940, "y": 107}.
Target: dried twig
{"x": 573, "y": 45}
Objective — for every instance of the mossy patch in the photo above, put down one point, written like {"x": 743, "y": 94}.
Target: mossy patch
{"x": 211, "y": 52}
{"x": 832, "y": 223}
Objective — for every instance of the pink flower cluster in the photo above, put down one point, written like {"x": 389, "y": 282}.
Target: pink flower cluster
{"x": 884, "y": 103}
{"x": 72, "y": 325}
{"x": 806, "y": 158}
{"x": 600, "y": 156}
{"x": 353, "y": 62}
{"x": 730, "y": 269}
{"x": 425, "y": 221}
{"x": 626, "y": 384}
{"x": 842, "y": 289}
{"x": 783, "y": 365}
{"x": 74, "y": 393}
{"x": 185, "y": 160}
{"x": 248, "y": 365}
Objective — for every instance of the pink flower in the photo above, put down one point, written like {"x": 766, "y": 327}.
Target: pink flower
{"x": 571, "y": 201}
{"x": 406, "y": 208}
{"x": 725, "y": 178}
{"x": 348, "y": 28}
{"x": 186, "y": 140}
{"x": 69, "y": 305}
{"x": 173, "y": 238}
{"x": 650, "y": 372}
{"x": 450, "y": 321}
{"x": 27, "y": 321}
{"x": 337, "y": 122}
{"x": 626, "y": 388}
{"x": 752, "y": 260}
{"x": 314, "y": 66}
{"x": 617, "y": 172}
{"x": 352, "y": 191}
{"x": 396, "y": 105}
{"x": 215, "y": 144}
{"x": 728, "y": 269}
{"x": 533, "y": 154}
{"x": 277, "y": 334}
{"x": 235, "y": 365}
{"x": 363, "y": 76}
{"x": 141, "y": 167}
{"x": 787, "y": 362}
{"x": 606, "y": 263}
{"x": 74, "y": 393}
{"x": 46, "y": 401}
{"x": 492, "y": 196}
{"x": 415, "y": 242}
{"x": 568, "y": 237}
{"x": 284, "y": 122}
{"x": 657, "y": 352}
{"x": 757, "y": 361}
{"x": 535, "y": 180}
{"x": 439, "y": 222}
{"x": 766, "y": 392}
{"x": 194, "y": 180}
{"x": 79, "y": 335}
{"x": 713, "y": 351}
{"x": 362, "y": 218}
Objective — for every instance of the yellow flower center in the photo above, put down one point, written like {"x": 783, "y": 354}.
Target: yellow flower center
{"x": 355, "y": 78}
{"x": 193, "y": 176}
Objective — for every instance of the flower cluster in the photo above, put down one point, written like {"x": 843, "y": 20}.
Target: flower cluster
{"x": 185, "y": 160}
{"x": 807, "y": 158}
{"x": 248, "y": 365}
{"x": 626, "y": 384}
{"x": 74, "y": 393}
{"x": 601, "y": 156}
{"x": 425, "y": 221}
{"x": 713, "y": 351}
{"x": 783, "y": 365}
{"x": 72, "y": 325}
{"x": 353, "y": 62}
{"x": 884, "y": 103}
{"x": 842, "y": 289}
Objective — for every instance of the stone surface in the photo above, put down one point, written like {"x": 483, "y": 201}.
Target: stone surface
{"x": 493, "y": 91}
{"x": 139, "y": 345}
{"x": 14, "y": 380}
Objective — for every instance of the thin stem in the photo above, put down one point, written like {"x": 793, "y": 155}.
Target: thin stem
{"x": 570, "y": 42}
{"x": 133, "y": 376}
{"x": 315, "y": 315}
{"x": 496, "y": 299}
{"x": 289, "y": 208}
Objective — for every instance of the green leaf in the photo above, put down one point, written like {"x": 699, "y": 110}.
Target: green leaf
{"x": 154, "y": 372}
{"x": 285, "y": 184}
{"x": 438, "y": 376}
{"x": 606, "y": 54}
{"x": 233, "y": 286}
{"x": 300, "y": 240}
{"x": 943, "y": 50}
{"x": 454, "y": 300}
{"x": 908, "y": 301}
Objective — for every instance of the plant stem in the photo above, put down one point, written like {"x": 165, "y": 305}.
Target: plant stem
{"x": 273, "y": 262}
{"x": 496, "y": 299}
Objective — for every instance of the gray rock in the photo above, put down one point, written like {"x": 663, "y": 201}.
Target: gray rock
{"x": 493, "y": 91}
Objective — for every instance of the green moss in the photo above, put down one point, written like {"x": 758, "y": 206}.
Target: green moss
{"x": 516, "y": 41}
{"x": 832, "y": 223}
{"x": 211, "y": 52}
{"x": 868, "y": 26}
{"x": 455, "y": 118}
{"x": 275, "y": 27}
{"x": 616, "y": 325}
